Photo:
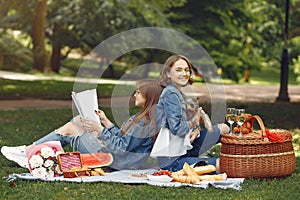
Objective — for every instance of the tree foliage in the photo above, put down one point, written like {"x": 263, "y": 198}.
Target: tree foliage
{"x": 85, "y": 23}
{"x": 239, "y": 35}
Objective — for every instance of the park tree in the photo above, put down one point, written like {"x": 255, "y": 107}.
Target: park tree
{"x": 239, "y": 35}
{"x": 38, "y": 25}
{"x": 294, "y": 38}
{"x": 4, "y": 7}
{"x": 85, "y": 23}
{"x": 28, "y": 16}
{"x": 226, "y": 30}
{"x": 79, "y": 23}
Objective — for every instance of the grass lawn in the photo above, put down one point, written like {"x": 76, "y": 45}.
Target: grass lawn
{"x": 268, "y": 75}
{"x": 48, "y": 89}
{"x": 24, "y": 126}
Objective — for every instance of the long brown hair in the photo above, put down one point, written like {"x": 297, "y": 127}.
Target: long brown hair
{"x": 164, "y": 80}
{"x": 150, "y": 89}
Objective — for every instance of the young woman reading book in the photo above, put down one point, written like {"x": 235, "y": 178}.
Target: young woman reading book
{"x": 130, "y": 145}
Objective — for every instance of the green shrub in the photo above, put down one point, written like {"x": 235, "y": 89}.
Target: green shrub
{"x": 296, "y": 66}
{"x": 13, "y": 55}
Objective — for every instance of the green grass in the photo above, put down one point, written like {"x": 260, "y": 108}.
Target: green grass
{"x": 271, "y": 76}
{"x": 266, "y": 76}
{"x": 24, "y": 126}
{"x": 48, "y": 89}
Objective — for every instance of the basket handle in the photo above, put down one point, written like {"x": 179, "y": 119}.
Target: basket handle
{"x": 261, "y": 125}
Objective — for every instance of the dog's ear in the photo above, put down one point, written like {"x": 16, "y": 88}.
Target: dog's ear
{"x": 196, "y": 100}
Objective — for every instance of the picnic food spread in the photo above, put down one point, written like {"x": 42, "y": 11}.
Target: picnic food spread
{"x": 50, "y": 160}
{"x": 193, "y": 175}
{"x": 75, "y": 164}
{"x": 71, "y": 164}
{"x": 190, "y": 175}
{"x": 95, "y": 160}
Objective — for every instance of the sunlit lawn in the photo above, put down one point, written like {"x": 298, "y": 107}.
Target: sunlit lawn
{"x": 25, "y": 126}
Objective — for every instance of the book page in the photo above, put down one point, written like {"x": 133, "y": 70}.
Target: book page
{"x": 86, "y": 103}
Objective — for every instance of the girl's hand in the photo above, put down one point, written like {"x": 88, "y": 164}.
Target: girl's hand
{"x": 104, "y": 120}
{"x": 77, "y": 120}
{"x": 194, "y": 135}
{"x": 91, "y": 125}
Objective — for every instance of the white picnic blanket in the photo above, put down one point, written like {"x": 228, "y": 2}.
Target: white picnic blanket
{"x": 129, "y": 177}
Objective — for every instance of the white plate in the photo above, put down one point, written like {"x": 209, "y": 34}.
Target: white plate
{"x": 161, "y": 178}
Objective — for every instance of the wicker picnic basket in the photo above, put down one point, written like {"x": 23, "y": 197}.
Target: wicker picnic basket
{"x": 256, "y": 156}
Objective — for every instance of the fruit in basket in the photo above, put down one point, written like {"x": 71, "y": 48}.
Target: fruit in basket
{"x": 236, "y": 129}
{"x": 96, "y": 160}
{"x": 245, "y": 131}
{"x": 248, "y": 117}
{"x": 248, "y": 125}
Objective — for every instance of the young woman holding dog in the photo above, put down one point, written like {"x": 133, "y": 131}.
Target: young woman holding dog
{"x": 172, "y": 113}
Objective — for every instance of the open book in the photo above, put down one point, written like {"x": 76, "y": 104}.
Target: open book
{"x": 86, "y": 103}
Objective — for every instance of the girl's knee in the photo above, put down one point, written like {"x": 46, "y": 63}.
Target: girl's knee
{"x": 66, "y": 129}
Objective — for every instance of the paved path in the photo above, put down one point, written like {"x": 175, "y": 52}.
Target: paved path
{"x": 244, "y": 93}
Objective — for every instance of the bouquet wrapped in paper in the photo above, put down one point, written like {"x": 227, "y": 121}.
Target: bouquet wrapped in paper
{"x": 42, "y": 159}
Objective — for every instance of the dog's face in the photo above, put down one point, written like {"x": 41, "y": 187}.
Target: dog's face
{"x": 192, "y": 104}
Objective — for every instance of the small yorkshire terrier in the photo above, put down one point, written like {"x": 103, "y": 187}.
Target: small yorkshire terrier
{"x": 192, "y": 106}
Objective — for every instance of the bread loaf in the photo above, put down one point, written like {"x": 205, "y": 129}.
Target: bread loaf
{"x": 100, "y": 171}
{"x": 193, "y": 175}
{"x": 186, "y": 179}
{"x": 189, "y": 171}
{"x": 216, "y": 177}
{"x": 199, "y": 170}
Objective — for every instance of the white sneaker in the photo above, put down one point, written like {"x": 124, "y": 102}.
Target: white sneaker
{"x": 16, "y": 154}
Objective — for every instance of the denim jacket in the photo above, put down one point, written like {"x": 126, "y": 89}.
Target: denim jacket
{"x": 130, "y": 150}
{"x": 171, "y": 106}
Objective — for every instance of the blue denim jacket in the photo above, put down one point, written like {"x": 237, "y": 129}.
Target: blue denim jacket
{"x": 131, "y": 150}
{"x": 171, "y": 106}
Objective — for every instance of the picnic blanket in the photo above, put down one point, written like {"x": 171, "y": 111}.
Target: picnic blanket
{"x": 131, "y": 177}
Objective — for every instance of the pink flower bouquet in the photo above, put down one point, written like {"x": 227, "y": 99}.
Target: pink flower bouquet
{"x": 42, "y": 159}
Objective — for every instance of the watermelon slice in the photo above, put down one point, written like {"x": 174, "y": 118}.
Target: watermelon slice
{"x": 95, "y": 160}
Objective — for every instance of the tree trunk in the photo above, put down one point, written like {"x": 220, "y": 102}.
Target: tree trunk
{"x": 4, "y": 7}
{"x": 283, "y": 91}
{"x": 247, "y": 76}
{"x": 38, "y": 35}
{"x": 55, "y": 58}
{"x": 56, "y": 48}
